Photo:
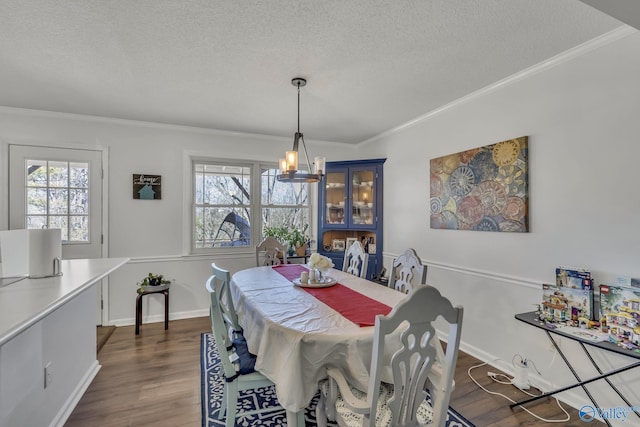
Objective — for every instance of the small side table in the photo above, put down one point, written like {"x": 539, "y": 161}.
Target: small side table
{"x": 148, "y": 290}
{"x": 303, "y": 257}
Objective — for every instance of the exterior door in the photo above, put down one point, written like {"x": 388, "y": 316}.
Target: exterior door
{"x": 59, "y": 188}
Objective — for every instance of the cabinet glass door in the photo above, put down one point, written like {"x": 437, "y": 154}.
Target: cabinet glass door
{"x": 362, "y": 197}
{"x": 335, "y": 187}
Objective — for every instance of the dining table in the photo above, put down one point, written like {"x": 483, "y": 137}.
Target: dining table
{"x": 297, "y": 331}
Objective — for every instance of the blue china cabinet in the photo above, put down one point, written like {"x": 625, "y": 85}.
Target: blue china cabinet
{"x": 350, "y": 208}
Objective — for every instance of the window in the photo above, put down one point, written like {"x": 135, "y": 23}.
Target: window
{"x": 283, "y": 204}
{"x": 222, "y": 197}
{"x": 57, "y": 196}
{"x": 226, "y": 203}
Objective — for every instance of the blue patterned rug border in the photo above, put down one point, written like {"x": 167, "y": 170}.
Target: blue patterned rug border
{"x": 211, "y": 383}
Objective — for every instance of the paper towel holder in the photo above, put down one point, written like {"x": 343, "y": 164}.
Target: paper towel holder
{"x": 57, "y": 270}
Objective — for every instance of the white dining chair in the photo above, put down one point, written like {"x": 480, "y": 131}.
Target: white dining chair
{"x": 402, "y": 403}
{"x": 407, "y": 272}
{"x": 221, "y": 280}
{"x": 269, "y": 251}
{"x": 238, "y": 367}
{"x": 355, "y": 260}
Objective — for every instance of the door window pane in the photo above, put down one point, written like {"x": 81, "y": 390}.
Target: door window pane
{"x": 56, "y": 189}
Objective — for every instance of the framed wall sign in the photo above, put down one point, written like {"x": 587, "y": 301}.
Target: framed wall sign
{"x": 147, "y": 187}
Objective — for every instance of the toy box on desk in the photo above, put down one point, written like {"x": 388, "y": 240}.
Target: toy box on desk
{"x": 620, "y": 309}
{"x": 573, "y": 278}
{"x": 561, "y": 304}
{"x": 617, "y": 299}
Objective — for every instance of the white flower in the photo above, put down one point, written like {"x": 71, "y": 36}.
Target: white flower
{"x": 319, "y": 261}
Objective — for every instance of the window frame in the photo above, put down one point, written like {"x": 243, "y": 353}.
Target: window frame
{"x": 255, "y": 203}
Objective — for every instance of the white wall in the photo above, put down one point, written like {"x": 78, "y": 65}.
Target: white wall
{"x": 581, "y": 114}
{"x": 153, "y": 233}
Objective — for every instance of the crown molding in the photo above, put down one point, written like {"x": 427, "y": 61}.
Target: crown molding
{"x": 568, "y": 55}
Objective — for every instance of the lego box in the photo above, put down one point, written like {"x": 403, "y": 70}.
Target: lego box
{"x": 619, "y": 299}
{"x": 569, "y": 277}
{"x": 562, "y": 304}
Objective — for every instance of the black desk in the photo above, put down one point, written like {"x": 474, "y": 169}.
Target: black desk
{"x": 531, "y": 319}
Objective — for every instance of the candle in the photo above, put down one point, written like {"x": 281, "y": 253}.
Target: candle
{"x": 320, "y": 164}
{"x": 292, "y": 160}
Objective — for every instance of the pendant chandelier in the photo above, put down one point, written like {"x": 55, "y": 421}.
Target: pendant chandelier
{"x": 289, "y": 165}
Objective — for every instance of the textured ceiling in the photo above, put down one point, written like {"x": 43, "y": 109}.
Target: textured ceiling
{"x": 227, "y": 64}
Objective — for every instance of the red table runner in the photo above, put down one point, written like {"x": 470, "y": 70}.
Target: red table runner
{"x": 354, "y": 306}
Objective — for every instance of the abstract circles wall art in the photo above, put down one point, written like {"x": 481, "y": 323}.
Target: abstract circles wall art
{"x": 483, "y": 189}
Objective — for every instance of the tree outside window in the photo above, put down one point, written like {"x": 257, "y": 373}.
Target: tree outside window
{"x": 57, "y": 195}
{"x": 224, "y": 204}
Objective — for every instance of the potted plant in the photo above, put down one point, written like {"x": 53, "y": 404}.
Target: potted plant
{"x": 153, "y": 280}
{"x": 295, "y": 238}
{"x": 280, "y": 233}
{"x": 299, "y": 239}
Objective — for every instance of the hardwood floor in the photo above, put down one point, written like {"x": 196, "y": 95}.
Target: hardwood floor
{"x": 154, "y": 380}
{"x": 103, "y": 334}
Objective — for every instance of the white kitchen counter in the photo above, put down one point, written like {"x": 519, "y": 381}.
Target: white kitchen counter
{"x": 24, "y": 303}
{"x": 48, "y": 342}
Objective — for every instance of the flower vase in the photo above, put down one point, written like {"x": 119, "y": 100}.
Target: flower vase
{"x": 321, "y": 275}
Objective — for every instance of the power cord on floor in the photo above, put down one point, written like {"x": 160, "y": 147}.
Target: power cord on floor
{"x": 494, "y": 376}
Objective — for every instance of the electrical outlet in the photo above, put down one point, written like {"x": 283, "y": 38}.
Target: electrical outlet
{"x": 48, "y": 374}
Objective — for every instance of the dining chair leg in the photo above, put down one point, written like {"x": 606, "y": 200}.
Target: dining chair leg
{"x": 321, "y": 414}
{"x": 232, "y": 402}
{"x": 295, "y": 418}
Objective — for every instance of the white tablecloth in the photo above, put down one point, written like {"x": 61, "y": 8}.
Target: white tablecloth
{"x": 295, "y": 336}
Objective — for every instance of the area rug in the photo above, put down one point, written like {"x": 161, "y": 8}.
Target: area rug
{"x": 212, "y": 381}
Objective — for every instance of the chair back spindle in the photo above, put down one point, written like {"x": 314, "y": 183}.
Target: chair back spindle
{"x": 410, "y": 330}
{"x": 270, "y": 251}
{"x": 221, "y": 282}
{"x": 355, "y": 260}
{"x": 407, "y": 272}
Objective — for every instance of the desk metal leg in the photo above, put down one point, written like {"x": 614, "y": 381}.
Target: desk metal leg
{"x": 580, "y": 383}
{"x": 595, "y": 365}
{"x": 573, "y": 371}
